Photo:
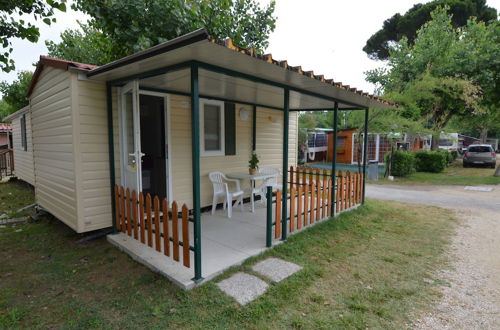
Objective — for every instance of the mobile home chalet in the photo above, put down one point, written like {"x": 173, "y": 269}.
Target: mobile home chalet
{"x": 158, "y": 122}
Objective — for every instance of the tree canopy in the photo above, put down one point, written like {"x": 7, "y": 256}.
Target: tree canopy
{"x": 118, "y": 28}
{"x": 445, "y": 72}
{"x": 12, "y": 24}
{"x": 399, "y": 26}
{"x": 14, "y": 94}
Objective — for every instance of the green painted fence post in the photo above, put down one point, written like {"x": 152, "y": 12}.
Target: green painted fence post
{"x": 195, "y": 128}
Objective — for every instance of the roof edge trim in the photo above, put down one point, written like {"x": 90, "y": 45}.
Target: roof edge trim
{"x": 17, "y": 113}
{"x": 184, "y": 40}
{"x": 55, "y": 63}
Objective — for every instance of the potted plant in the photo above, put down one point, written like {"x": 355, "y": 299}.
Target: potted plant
{"x": 253, "y": 164}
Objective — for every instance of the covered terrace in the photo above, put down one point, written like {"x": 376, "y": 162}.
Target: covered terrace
{"x": 197, "y": 66}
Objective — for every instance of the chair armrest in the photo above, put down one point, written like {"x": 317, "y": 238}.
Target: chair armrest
{"x": 236, "y": 181}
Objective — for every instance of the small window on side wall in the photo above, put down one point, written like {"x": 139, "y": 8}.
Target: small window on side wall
{"x": 212, "y": 127}
{"x": 24, "y": 143}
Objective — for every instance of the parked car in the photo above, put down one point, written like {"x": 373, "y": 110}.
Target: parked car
{"x": 480, "y": 154}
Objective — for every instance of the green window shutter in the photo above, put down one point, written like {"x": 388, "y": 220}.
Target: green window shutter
{"x": 230, "y": 128}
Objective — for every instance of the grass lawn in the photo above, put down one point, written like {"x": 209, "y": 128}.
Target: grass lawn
{"x": 365, "y": 269}
{"x": 15, "y": 195}
{"x": 455, "y": 174}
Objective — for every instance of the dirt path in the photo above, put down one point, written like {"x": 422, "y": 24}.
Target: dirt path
{"x": 471, "y": 298}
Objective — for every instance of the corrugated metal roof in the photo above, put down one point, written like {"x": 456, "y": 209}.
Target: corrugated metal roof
{"x": 5, "y": 127}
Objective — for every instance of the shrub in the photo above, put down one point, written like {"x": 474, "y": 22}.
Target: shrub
{"x": 431, "y": 161}
{"x": 454, "y": 154}
{"x": 448, "y": 156}
{"x": 403, "y": 163}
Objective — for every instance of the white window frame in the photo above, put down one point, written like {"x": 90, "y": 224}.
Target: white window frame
{"x": 221, "y": 151}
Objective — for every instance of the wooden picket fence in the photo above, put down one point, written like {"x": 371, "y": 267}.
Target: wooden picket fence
{"x": 310, "y": 197}
{"x": 150, "y": 221}
{"x": 349, "y": 190}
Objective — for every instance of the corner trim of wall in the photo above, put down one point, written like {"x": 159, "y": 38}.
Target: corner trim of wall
{"x": 75, "y": 111}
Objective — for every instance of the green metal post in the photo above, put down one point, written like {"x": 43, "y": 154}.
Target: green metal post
{"x": 284, "y": 212}
{"x": 195, "y": 128}
{"x": 365, "y": 153}
{"x": 254, "y": 128}
{"x": 269, "y": 216}
{"x": 111, "y": 150}
{"x": 334, "y": 158}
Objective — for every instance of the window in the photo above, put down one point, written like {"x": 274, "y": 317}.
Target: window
{"x": 341, "y": 141}
{"x": 24, "y": 143}
{"x": 480, "y": 149}
{"x": 445, "y": 142}
{"x": 212, "y": 128}
{"x": 341, "y": 144}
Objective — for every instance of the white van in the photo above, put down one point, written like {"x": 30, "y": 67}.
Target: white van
{"x": 449, "y": 142}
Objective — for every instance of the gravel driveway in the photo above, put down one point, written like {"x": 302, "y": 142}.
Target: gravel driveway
{"x": 471, "y": 300}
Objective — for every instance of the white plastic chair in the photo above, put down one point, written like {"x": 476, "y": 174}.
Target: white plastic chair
{"x": 269, "y": 182}
{"x": 221, "y": 189}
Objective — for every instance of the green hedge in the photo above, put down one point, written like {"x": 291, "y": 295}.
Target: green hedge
{"x": 448, "y": 156}
{"x": 431, "y": 161}
{"x": 403, "y": 163}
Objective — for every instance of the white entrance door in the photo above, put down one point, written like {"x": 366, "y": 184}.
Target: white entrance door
{"x": 131, "y": 137}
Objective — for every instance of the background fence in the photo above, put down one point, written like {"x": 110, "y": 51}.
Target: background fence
{"x": 6, "y": 162}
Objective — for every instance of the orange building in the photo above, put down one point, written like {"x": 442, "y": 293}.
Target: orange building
{"x": 379, "y": 144}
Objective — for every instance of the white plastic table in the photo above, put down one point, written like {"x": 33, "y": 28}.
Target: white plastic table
{"x": 252, "y": 178}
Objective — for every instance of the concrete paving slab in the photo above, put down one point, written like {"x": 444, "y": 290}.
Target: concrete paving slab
{"x": 154, "y": 260}
{"x": 243, "y": 287}
{"x": 276, "y": 269}
{"x": 472, "y": 188}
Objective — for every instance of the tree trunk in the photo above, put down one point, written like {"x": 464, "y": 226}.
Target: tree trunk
{"x": 483, "y": 135}
{"x": 435, "y": 143}
{"x": 497, "y": 171}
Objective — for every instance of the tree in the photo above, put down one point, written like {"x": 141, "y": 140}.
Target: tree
{"x": 5, "y": 110}
{"x": 439, "y": 99}
{"x": 120, "y": 28}
{"x": 446, "y": 72}
{"x": 399, "y": 26}
{"x": 14, "y": 94}
{"x": 12, "y": 24}
{"x": 87, "y": 45}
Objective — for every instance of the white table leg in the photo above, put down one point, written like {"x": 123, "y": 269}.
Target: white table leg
{"x": 252, "y": 184}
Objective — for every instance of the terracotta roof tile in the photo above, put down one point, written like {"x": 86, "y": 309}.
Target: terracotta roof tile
{"x": 284, "y": 64}
{"x": 55, "y": 63}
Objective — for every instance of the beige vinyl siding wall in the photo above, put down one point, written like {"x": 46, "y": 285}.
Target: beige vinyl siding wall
{"x": 92, "y": 154}
{"x": 52, "y": 127}
{"x": 269, "y": 147}
{"x": 23, "y": 160}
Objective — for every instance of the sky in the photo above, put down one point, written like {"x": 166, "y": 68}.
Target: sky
{"x": 326, "y": 36}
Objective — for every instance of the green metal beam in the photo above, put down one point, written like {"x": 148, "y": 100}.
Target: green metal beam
{"x": 365, "y": 154}
{"x": 111, "y": 151}
{"x": 224, "y": 99}
{"x": 334, "y": 158}
{"x": 286, "y": 116}
{"x": 238, "y": 102}
{"x": 195, "y": 146}
{"x": 152, "y": 73}
{"x": 254, "y": 128}
{"x": 326, "y": 109}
